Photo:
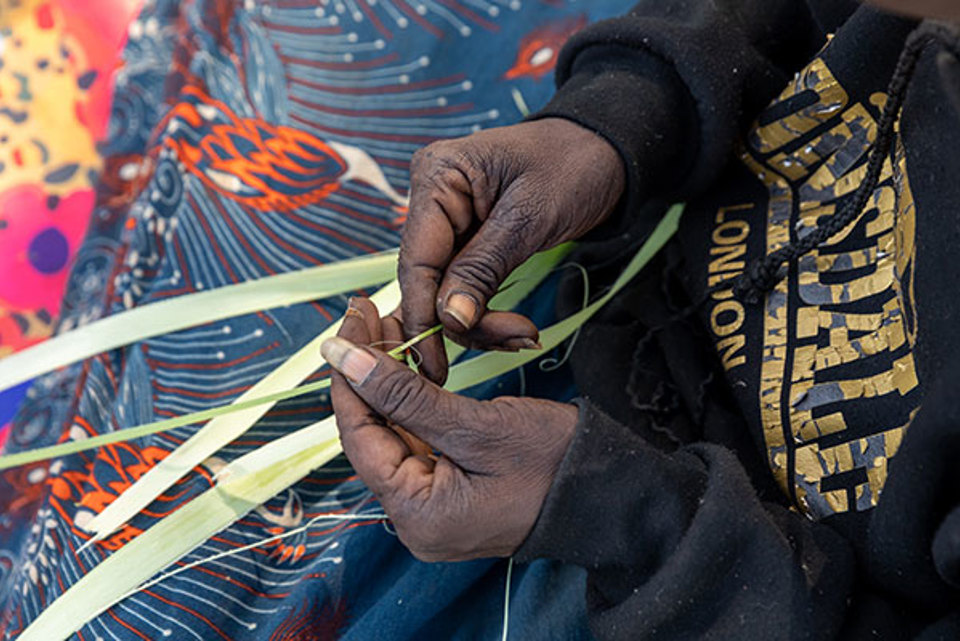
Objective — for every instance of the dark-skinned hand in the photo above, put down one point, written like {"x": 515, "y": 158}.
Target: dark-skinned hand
{"x": 481, "y": 494}
{"x": 482, "y": 205}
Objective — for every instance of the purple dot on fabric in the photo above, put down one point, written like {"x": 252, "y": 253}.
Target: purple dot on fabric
{"x": 49, "y": 251}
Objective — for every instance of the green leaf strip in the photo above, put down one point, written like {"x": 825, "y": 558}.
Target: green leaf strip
{"x": 256, "y": 477}
{"x": 225, "y": 427}
{"x": 130, "y": 433}
{"x": 182, "y": 312}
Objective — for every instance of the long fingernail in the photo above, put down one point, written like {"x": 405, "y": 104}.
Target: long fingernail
{"x": 348, "y": 359}
{"x": 522, "y": 343}
{"x": 463, "y": 308}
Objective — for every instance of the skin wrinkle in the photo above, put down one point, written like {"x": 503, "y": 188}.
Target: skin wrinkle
{"x": 502, "y": 195}
{"x": 481, "y": 270}
{"x": 474, "y": 185}
{"x": 454, "y": 198}
{"x": 508, "y": 413}
{"x": 451, "y": 509}
{"x": 403, "y": 399}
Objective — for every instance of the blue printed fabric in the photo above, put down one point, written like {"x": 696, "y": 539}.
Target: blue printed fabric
{"x": 250, "y": 139}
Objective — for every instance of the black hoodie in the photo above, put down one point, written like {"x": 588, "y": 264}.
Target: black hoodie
{"x": 789, "y": 469}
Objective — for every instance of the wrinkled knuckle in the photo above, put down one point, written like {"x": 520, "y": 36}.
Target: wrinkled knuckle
{"x": 423, "y": 158}
{"x": 526, "y": 211}
{"x": 410, "y": 267}
{"x": 483, "y": 271}
{"x": 468, "y": 159}
{"x": 495, "y": 156}
{"x": 402, "y": 394}
{"x": 428, "y": 166}
{"x": 445, "y": 174}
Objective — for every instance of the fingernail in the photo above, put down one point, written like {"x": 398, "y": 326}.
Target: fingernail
{"x": 522, "y": 343}
{"x": 463, "y": 308}
{"x": 529, "y": 343}
{"x": 353, "y": 310}
{"x": 348, "y": 359}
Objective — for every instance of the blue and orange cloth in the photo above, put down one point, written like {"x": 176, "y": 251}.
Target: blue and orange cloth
{"x": 247, "y": 139}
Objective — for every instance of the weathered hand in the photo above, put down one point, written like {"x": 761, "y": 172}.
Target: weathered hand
{"x": 479, "y": 207}
{"x": 480, "y": 496}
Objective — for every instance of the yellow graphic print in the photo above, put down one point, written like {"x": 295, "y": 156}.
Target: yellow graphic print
{"x": 848, "y": 306}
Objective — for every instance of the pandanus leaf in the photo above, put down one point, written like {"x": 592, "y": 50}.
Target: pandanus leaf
{"x": 256, "y": 477}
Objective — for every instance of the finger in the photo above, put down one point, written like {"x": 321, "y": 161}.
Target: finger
{"x": 392, "y": 337}
{"x": 367, "y": 311}
{"x": 418, "y": 447}
{"x": 477, "y": 271}
{"x": 449, "y": 422}
{"x": 378, "y": 454}
{"x": 502, "y": 331}
{"x": 375, "y": 449}
{"x": 392, "y": 332}
{"x": 354, "y": 326}
{"x": 424, "y": 253}
{"x": 440, "y": 210}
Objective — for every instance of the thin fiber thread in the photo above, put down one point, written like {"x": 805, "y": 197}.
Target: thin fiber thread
{"x": 220, "y": 555}
{"x": 303, "y": 528}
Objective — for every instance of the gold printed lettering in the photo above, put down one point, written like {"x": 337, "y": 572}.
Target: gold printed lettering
{"x": 727, "y": 316}
{"x": 726, "y": 262}
{"x": 729, "y": 349}
{"x": 720, "y": 318}
{"x": 849, "y": 302}
{"x": 722, "y": 236}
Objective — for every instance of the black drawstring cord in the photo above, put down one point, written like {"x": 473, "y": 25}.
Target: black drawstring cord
{"x": 763, "y": 274}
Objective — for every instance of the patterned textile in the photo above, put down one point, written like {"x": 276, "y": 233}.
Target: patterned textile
{"x": 246, "y": 140}
{"x": 56, "y": 64}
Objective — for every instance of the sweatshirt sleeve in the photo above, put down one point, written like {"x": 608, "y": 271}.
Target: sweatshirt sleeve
{"x": 678, "y": 546}
{"x": 673, "y": 82}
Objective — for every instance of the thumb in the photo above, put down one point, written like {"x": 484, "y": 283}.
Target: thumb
{"x": 504, "y": 241}
{"x": 399, "y": 394}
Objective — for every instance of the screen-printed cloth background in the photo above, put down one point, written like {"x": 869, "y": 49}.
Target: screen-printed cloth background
{"x": 57, "y": 62}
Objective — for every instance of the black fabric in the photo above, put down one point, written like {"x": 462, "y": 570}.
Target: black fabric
{"x": 712, "y": 65}
{"x": 644, "y": 91}
{"x": 666, "y": 495}
{"x": 692, "y": 553}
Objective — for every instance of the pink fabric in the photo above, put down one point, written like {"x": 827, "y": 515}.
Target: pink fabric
{"x": 59, "y": 58}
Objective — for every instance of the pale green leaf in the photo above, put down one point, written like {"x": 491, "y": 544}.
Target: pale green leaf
{"x": 520, "y": 283}
{"x": 256, "y": 477}
{"x": 226, "y": 427}
{"x": 222, "y": 429}
{"x": 241, "y": 486}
